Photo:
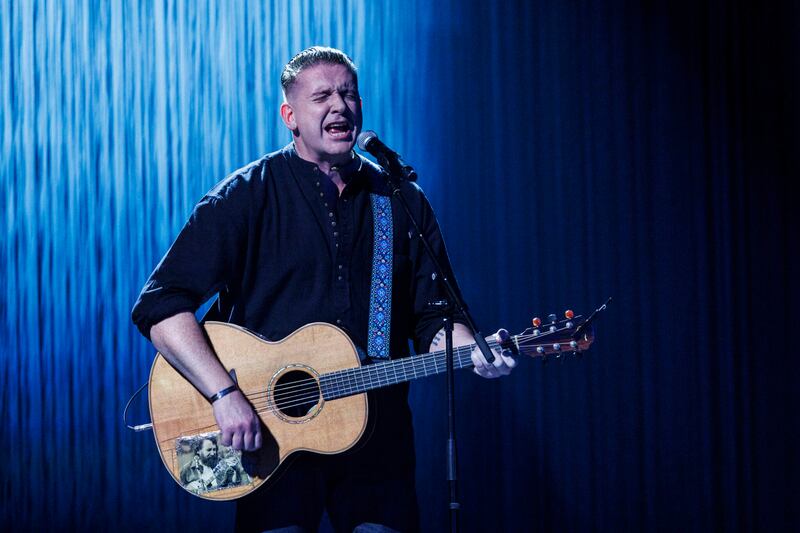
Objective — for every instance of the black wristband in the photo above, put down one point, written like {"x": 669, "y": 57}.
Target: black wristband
{"x": 223, "y": 392}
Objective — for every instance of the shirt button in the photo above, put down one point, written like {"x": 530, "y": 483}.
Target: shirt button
{"x": 338, "y": 321}
{"x": 321, "y": 194}
{"x": 333, "y": 223}
{"x": 317, "y": 184}
{"x": 335, "y": 233}
{"x": 340, "y": 267}
{"x": 340, "y": 278}
{"x": 330, "y": 213}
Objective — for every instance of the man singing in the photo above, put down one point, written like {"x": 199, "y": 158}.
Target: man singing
{"x": 289, "y": 240}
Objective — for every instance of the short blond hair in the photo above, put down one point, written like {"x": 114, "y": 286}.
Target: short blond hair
{"x": 314, "y": 56}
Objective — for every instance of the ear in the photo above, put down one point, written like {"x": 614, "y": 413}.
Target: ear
{"x": 287, "y": 114}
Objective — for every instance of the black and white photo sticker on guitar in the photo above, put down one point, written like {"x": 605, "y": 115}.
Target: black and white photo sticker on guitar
{"x": 207, "y": 465}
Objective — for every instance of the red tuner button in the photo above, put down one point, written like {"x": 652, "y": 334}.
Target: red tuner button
{"x": 537, "y": 322}
{"x": 569, "y": 314}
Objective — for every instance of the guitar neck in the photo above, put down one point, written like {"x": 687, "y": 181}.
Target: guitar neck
{"x": 374, "y": 376}
{"x": 569, "y": 335}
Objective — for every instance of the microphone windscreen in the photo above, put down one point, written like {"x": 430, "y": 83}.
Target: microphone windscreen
{"x": 365, "y": 137}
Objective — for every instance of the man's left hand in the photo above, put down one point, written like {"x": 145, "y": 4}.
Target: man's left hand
{"x": 503, "y": 363}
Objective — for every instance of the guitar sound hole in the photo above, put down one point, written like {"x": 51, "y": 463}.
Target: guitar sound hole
{"x": 296, "y": 393}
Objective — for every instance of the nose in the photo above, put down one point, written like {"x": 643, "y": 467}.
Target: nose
{"x": 337, "y": 102}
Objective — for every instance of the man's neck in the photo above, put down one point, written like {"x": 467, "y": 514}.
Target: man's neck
{"x": 330, "y": 167}
{"x": 336, "y": 179}
{"x": 324, "y": 164}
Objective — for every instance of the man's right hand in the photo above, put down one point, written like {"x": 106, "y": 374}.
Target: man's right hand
{"x": 182, "y": 342}
{"x": 240, "y": 425}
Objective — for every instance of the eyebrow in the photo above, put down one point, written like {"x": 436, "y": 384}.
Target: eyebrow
{"x": 328, "y": 90}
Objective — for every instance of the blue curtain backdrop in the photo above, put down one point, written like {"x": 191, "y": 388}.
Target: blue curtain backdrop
{"x": 572, "y": 150}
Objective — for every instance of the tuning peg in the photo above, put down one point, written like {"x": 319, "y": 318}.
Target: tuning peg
{"x": 552, "y": 318}
{"x": 569, "y": 315}
{"x": 576, "y": 352}
{"x": 536, "y": 322}
{"x": 543, "y": 353}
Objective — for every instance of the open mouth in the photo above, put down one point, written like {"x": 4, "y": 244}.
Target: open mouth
{"x": 339, "y": 130}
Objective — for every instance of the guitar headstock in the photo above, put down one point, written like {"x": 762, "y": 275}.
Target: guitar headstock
{"x": 572, "y": 334}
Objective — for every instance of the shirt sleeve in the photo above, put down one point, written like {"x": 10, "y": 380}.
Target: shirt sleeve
{"x": 202, "y": 261}
{"x": 428, "y": 285}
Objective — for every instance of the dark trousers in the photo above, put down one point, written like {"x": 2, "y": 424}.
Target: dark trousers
{"x": 372, "y": 484}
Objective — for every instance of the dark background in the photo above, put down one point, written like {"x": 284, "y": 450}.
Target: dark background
{"x": 572, "y": 150}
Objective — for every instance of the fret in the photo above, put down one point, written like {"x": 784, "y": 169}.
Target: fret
{"x": 381, "y": 368}
{"x": 342, "y": 384}
{"x": 389, "y": 378}
{"x": 351, "y": 383}
{"x": 366, "y": 377}
{"x": 361, "y": 379}
{"x": 460, "y": 360}
{"x": 361, "y": 386}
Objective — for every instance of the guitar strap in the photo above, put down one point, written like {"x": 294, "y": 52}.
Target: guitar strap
{"x": 380, "y": 297}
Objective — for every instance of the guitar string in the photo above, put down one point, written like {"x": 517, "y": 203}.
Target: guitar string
{"x": 310, "y": 392}
{"x": 353, "y": 373}
{"x": 335, "y": 389}
{"x": 417, "y": 358}
{"x": 405, "y": 364}
{"x": 367, "y": 372}
{"x": 433, "y": 355}
{"x": 312, "y": 396}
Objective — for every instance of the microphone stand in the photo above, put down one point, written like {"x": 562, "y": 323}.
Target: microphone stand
{"x": 394, "y": 174}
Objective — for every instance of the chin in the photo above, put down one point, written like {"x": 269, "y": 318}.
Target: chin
{"x": 341, "y": 148}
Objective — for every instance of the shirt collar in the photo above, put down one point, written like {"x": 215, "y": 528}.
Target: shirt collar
{"x": 347, "y": 171}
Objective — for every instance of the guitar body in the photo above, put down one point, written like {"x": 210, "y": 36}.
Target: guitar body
{"x": 182, "y": 418}
{"x": 309, "y": 391}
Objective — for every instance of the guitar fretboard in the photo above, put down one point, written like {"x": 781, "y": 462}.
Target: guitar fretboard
{"x": 374, "y": 376}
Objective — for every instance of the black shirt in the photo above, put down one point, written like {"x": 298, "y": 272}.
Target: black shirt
{"x": 283, "y": 249}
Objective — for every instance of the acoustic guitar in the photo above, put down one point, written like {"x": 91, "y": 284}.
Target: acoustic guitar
{"x": 309, "y": 390}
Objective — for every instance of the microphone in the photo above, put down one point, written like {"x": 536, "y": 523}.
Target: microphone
{"x": 388, "y": 158}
